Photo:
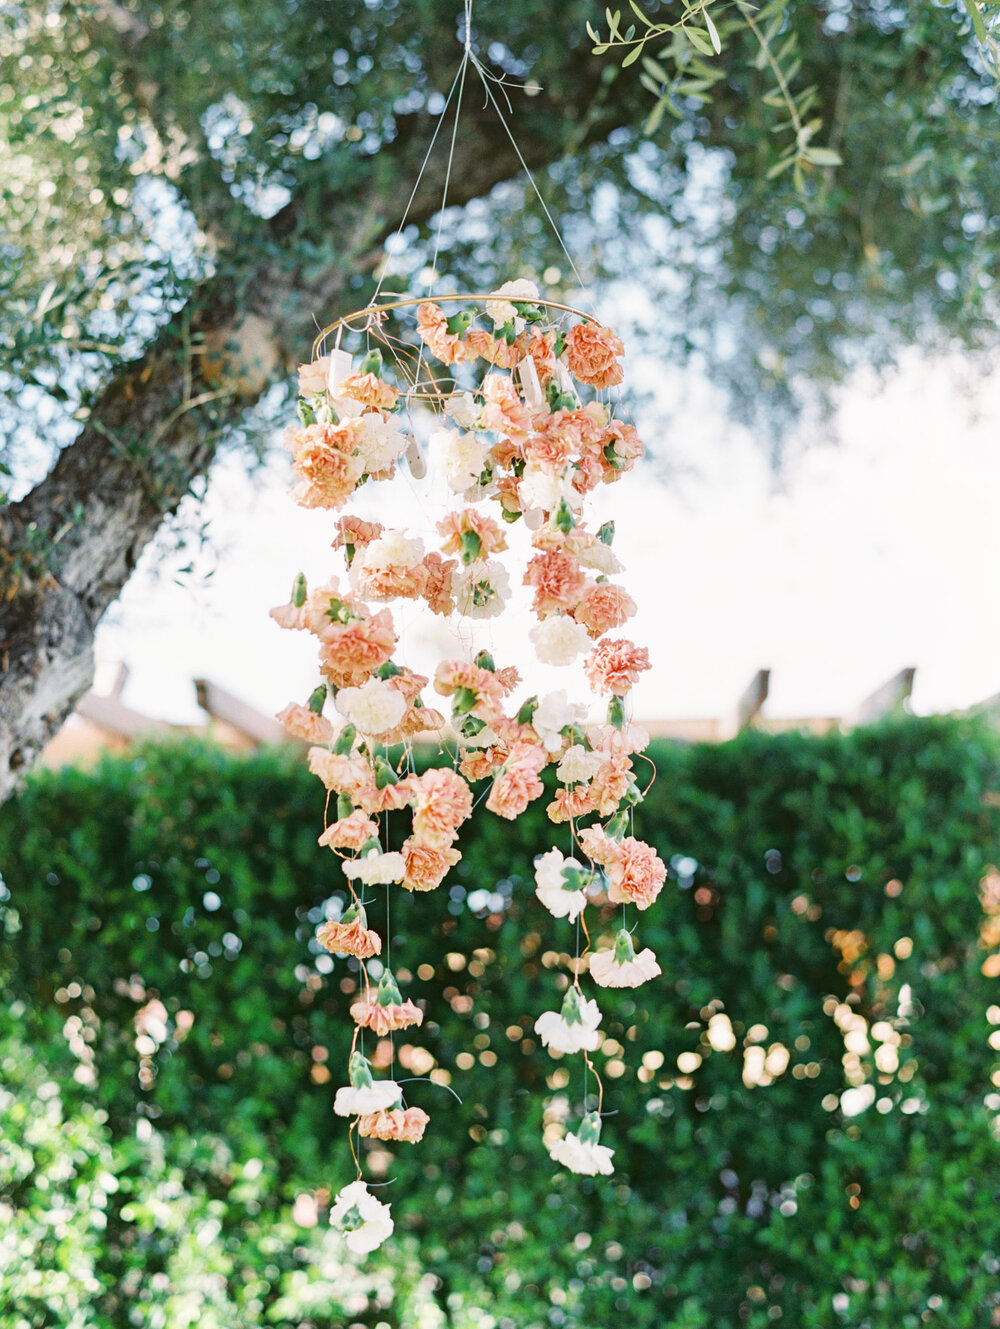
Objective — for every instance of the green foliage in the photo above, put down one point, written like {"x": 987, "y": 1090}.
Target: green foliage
{"x": 173, "y": 1039}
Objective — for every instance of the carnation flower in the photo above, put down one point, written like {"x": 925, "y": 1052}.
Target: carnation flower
{"x": 581, "y": 1152}
{"x": 426, "y": 867}
{"x": 391, "y": 565}
{"x": 375, "y": 868}
{"x": 304, "y": 723}
{"x": 557, "y": 579}
{"x": 352, "y": 534}
{"x": 592, "y": 352}
{"x": 368, "y": 389}
{"x": 613, "y": 666}
{"x": 578, "y": 764}
{"x": 438, "y": 588}
{"x": 463, "y": 409}
{"x": 364, "y": 1219}
{"x": 638, "y": 876}
{"x": 603, "y": 606}
{"x": 471, "y": 535}
{"x": 559, "y": 885}
{"x": 574, "y": 1029}
{"x": 621, "y": 967}
{"x": 387, "y": 1010}
{"x": 482, "y": 590}
{"x": 379, "y": 442}
{"x": 442, "y": 803}
{"x": 364, "y": 1093}
{"x": 499, "y": 307}
{"x": 503, "y": 410}
{"x": 373, "y": 708}
{"x": 518, "y": 782}
{"x": 542, "y": 487}
{"x": 405, "y": 1125}
{"x": 312, "y": 377}
{"x": 327, "y": 471}
{"x": 351, "y": 651}
{"x": 552, "y": 714}
{"x": 461, "y": 458}
{"x": 558, "y": 640}
{"x": 432, "y": 327}
{"x": 349, "y": 832}
{"x": 350, "y": 936}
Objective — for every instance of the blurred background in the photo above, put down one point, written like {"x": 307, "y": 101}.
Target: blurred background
{"x": 794, "y": 226}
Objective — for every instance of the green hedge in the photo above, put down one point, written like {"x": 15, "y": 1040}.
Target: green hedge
{"x": 820, "y": 889}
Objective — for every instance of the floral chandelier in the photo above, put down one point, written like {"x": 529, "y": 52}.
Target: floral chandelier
{"x": 515, "y": 394}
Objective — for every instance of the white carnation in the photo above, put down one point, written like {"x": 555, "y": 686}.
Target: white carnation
{"x": 374, "y": 708}
{"x": 481, "y": 590}
{"x": 375, "y": 868}
{"x": 598, "y": 556}
{"x": 579, "y": 765}
{"x": 559, "y": 1036}
{"x": 464, "y": 410}
{"x": 374, "y": 1097}
{"x": 608, "y": 972}
{"x": 381, "y": 442}
{"x": 550, "y": 886}
{"x": 393, "y": 549}
{"x": 460, "y": 457}
{"x": 558, "y": 640}
{"x": 501, "y": 311}
{"x": 365, "y": 1220}
{"x": 587, "y": 1159}
{"x": 540, "y": 488}
{"x": 552, "y": 714}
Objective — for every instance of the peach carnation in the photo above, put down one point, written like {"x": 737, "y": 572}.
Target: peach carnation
{"x": 304, "y": 723}
{"x": 557, "y": 579}
{"x": 438, "y": 588}
{"x": 313, "y": 377}
{"x": 639, "y": 876}
{"x": 368, "y": 389}
{"x": 340, "y": 774}
{"x": 602, "y": 607}
{"x": 353, "y": 534}
{"x": 432, "y": 326}
{"x": 472, "y": 535}
{"x": 569, "y": 804}
{"x": 503, "y": 410}
{"x": 497, "y": 352}
{"x": 600, "y": 848}
{"x": 350, "y": 832}
{"x": 406, "y": 1125}
{"x": 426, "y": 867}
{"x": 518, "y": 783}
{"x": 455, "y": 674}
{"x": 327, "y": 472}
{"x": 442, "y": 803}
{"x": 591, "y": 352}
{"x": 381, "y": 1020}
{"x": 351, "y": 936}
{"x": 613, "y": 666}
{"x": 351, "y": 651}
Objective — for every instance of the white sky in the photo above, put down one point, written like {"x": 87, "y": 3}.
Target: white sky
{"x": 875, "y": 554}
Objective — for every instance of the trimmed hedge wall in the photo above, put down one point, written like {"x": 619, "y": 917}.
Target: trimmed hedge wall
{"x": 825, "y": 1155}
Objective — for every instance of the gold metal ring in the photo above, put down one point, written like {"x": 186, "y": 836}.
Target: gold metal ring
{"x": 369, "y": 310}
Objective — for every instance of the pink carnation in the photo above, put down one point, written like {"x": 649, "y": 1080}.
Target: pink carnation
{"x": 602, "y": 607}
{"x": 432, "y": 326}
{"x": 406, "y": 1125}
{"x": 557, "y": 579}
{"x": 426, "y": 867}
{"x": 443, "y": 802}
{"x": 592, "y": 353}
{"x": 350, "y": 832}
{"x": 304, "y": 723}
{"x": 382, "y": 1020}
{"x": 613, "y": 666}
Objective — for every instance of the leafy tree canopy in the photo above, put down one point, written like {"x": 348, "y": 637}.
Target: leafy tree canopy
{"x": 147, "y": 143}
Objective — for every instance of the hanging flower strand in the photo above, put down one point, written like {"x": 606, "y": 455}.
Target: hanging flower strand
{"x": 525, "y": 437}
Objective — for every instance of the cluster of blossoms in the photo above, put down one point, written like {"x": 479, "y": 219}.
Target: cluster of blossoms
{"x": 522, "y": 440}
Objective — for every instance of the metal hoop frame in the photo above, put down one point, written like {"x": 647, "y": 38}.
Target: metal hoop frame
{"x": 369, "y": 310}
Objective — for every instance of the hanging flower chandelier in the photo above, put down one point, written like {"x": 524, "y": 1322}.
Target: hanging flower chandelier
{"x": 520, "y": 393}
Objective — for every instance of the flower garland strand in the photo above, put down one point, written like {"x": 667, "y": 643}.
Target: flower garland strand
{"x": 518, "y": 438}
